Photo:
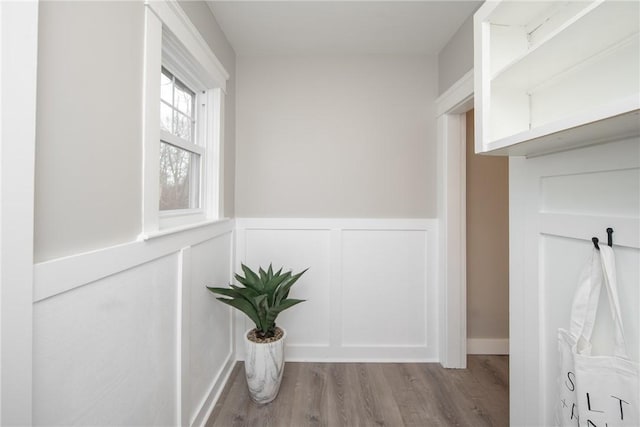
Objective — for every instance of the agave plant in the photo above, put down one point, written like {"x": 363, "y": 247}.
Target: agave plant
{"x": 263, "y": 297}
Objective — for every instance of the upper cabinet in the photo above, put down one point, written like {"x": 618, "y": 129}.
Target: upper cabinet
{"x": 550, "y": 76}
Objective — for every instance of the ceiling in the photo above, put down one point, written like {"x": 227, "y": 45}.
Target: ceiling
{"x": 340, "y": 27}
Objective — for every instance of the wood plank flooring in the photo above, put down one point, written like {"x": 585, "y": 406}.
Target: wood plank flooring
{"x": 374, "y": 394}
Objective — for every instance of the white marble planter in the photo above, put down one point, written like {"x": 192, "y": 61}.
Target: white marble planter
{"x": 263, "y": 367}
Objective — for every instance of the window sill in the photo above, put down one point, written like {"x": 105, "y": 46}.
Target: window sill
{"x": 175, "y": 230}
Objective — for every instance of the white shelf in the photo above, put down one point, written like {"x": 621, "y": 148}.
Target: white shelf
{"x": 613, "y": 122}
{"x": 579, "y": 40}
{"x": 552, "y": 76}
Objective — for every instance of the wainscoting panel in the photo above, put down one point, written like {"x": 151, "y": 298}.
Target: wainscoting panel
{"x": 129, "y": 335}
{"x": 591, "y": 193}
{"x": 370, "y": 288}
{"x": 210, "y": 334}
{"x": 308, "y": 323}
{"x": 557, "y": 203}
{"x": 562, "y": 260}
{"x": 104, "y": 354}
{"x": 384, "y": 300}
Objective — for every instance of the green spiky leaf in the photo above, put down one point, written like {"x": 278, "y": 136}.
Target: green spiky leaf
{"x": 252, "y": 278}
{"x": 275, "y": 311}
{"x": 262, "y": 296}
{"x": 286, "y": 287}
{"x": 245, "y": 307}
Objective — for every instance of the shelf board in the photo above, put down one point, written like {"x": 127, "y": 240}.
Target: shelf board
{"x": 522, "y": 14}
{"x": 616, "y": 121}
{"x": 577, "y": 41}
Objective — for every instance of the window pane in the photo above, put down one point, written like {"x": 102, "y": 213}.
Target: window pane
{"x": 176, "y": 107}
{"x": 166, "y": 88}
{"x": 183, "y": 127}
{"x": 184, "y": 101}
{"x": 179, "y": 178}
{"x": 166, "y": 117}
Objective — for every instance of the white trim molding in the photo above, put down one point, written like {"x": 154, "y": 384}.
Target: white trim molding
{"x": 152, "y": 63}
{"x": 171, "y": 41}
{"x": 458, "y": 98}
{"x": 498, "y": 346}
{"x": 209, "y": 401}
{"x": 177, "y": 21}
{"x": 334, "y": 223}
{"x": 451, "y": 107}
{"x": 18, "y": 75}
{"x": 63, "y": 274}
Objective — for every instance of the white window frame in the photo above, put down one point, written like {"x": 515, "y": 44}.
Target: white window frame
{"x": 172, "y": 41}
{"x": 198, "y": 146}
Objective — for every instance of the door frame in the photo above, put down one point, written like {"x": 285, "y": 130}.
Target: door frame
{"x": 18, "y": 78}
{"x": 451, "y": 108}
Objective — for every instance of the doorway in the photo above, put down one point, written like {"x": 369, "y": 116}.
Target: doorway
{"x": 487, "y": 249}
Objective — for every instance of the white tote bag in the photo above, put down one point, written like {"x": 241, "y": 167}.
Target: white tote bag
{"x": 596, "y": 390}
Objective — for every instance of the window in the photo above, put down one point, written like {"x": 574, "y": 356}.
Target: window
{"x": 180, "y": 151}
{"x": 184, "y": 87}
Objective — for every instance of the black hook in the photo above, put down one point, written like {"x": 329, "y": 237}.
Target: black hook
{"x": 595, "y": 240}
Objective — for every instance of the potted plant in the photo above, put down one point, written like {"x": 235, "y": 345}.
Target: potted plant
{"x": 262, "y": 297}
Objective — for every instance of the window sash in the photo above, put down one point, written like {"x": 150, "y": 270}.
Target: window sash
{"x": 194, "y": 147}
{"x": 177, "y": 115}
{"x": 170, "y": 138}
{"x": 194, "y": 178}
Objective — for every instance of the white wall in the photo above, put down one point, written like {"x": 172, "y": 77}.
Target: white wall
{"x": 89, "y": 107}
{"x": 371, "y": 286}
{"x": 336, "y": 172}
{"x": 89, "y": 126}
{"x": 336, "y": 136}
{"x": 557, "y": 203}
{"x": 456, "y": 58}
{"x": 124, "y": 331}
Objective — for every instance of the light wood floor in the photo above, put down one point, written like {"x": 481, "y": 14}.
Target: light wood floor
{"x": 374, "y": 394}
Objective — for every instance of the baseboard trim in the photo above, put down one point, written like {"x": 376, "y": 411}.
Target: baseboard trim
{"x": 361, "y": 360}
{"x": 488, "y": 346}
{"x": 206, "y": 409}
